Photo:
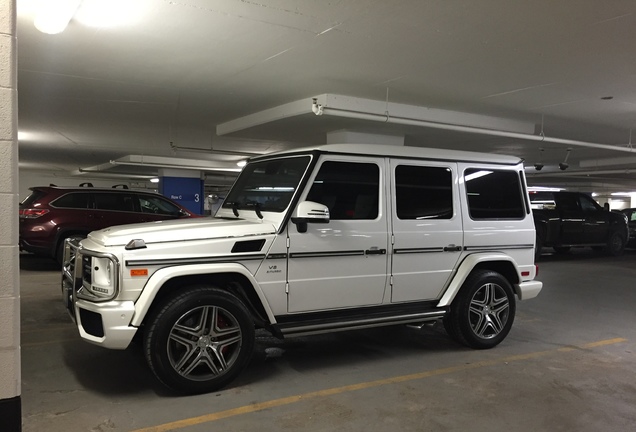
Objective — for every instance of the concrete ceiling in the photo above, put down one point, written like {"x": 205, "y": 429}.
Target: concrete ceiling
{"x": 179, "y": 68}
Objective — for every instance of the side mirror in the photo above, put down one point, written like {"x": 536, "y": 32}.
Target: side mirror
{"x": 606, "y": 206}
{"x": 309, "y": 212}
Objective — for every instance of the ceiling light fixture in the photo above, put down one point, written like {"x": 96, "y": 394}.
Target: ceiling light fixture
{"x": 241, "y": 163}
{"x": 539, "y": 165}
{"x": 564, "y": 165}
{"x": 54, "y": 15}
{"x": 154, "y": 180}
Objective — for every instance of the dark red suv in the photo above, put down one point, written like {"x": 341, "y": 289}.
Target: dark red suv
{"x": 51, "y": 214}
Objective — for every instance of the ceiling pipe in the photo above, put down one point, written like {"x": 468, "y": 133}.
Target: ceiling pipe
{"x": 319, "y": 110}
{"x": 174, "y": 166}
{"x": 580, "y": 173}
{"x": 98, "y": 173}
{"x": 213, "y": 151}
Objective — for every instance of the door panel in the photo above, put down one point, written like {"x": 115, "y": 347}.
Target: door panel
{"x": 342, "y": 263}
{"x": 427, "y": 228}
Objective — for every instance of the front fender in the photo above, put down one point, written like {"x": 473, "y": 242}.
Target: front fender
{"x": 466, "y": 267}
{"x": 160, "y": 277}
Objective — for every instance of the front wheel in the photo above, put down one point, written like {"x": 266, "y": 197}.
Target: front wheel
{"x": 200, "y": 340}
{"x": 482, "y": 314}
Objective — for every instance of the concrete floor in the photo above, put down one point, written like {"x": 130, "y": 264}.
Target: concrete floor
{"x": 567, "y": 365}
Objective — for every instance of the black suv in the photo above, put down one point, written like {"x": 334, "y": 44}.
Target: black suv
{"x": 51, "y": 214}
{"x": 572, "y": 219}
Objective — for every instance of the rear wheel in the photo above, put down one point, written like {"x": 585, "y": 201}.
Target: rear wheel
{"x": 200, "y": 340}
{"x": 615, "y": 244}
{"x": 482, "y": 314}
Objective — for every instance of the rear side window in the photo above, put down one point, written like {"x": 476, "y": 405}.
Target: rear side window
{"x": 34, "y": 196}
{"x": 423, "y": 192}
{"x": 114, "y": 201}
{"x": 494, "y": 194}
{"x": 349, "y": 189}
{"x": 72, "y": 200}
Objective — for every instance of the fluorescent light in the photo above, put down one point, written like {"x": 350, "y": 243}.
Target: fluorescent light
{"x": 54, "y": 15}
{"x": 544, "y": 189}
{"x": 623, "y": 193}
{"x": 241, "y": 163}
{"x": 154, "y": 180}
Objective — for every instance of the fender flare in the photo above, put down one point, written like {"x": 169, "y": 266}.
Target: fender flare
{"x": 161, "y": 276}
{"x": 466, "y": 267}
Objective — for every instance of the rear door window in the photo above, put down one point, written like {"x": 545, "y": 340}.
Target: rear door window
{"x": 423, "y": 192}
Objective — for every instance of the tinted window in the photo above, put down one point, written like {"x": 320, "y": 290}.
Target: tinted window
{"x": 423, "y": 192}
{"x": 493, "y": 194}
{"x": 588, "y": 205}
{"x": 157, "y": 205}
{"x": 35, "y": 195}
{"x": 349, "y": 189}
{"x": 114, "y": 201}
{"x": 77, "y": 200}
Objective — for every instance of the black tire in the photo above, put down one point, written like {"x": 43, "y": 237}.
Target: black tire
{"x": 561, "y": 249}
{"x": 59, "y": 250}
{"x": 199, "y": 340}
{"x": 483, "y": 311}
{"x": 615, "y": 244}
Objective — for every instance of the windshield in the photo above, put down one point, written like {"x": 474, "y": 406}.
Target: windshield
{"x": 267, "y": 185}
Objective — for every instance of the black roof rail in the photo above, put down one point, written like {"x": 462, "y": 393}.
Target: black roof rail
{"x": 120, "y": 186}
{"x": 87, "y": 184}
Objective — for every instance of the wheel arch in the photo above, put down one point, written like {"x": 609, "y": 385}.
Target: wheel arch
{"x": 498, "y": 262}
{"x": 234, "y": 278}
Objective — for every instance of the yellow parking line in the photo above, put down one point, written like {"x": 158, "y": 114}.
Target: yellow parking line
{"x": 207, "y": 418}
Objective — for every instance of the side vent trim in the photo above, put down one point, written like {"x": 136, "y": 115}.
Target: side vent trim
{"x": 248, "y": 246}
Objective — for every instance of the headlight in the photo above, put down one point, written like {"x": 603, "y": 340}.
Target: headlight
{"x": 99, "y": 277}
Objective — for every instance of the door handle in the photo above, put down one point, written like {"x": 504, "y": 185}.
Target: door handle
{"x": 452, "y": 248}
{"x": 375, "y": 251}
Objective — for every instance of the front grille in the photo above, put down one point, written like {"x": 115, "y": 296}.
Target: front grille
{"x": 86, "y": 270}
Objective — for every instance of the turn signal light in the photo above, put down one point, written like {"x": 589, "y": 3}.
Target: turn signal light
{"x": 139, "y": 272}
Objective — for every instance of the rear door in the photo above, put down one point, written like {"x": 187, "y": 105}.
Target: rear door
{"x": 342, "y": 263}
{"x": 426, "y": 226}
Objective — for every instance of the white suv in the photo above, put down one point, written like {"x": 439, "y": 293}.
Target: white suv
{"x": 309, "y": 241}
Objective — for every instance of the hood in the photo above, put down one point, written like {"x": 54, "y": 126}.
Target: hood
{"x": 180, "y": 230}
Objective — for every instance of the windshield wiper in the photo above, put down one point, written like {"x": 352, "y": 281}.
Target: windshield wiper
{"x": 257, "y": 208}
{"x": 234, "y": 205}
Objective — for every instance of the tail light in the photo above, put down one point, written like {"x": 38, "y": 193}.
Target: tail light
{"x": 31, "y": 213}
{"x": 536, "y": 272}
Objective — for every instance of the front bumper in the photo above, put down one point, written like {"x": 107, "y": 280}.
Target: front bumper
{"x": 101, "y": 323}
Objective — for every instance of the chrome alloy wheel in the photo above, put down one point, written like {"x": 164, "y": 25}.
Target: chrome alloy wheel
{"x": 488, "y": 311}
{"x": 204, "y": 343}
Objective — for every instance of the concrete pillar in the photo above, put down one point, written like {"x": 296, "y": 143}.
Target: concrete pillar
{"x": 350, "y": 137}
{"x": 10, "y": 389}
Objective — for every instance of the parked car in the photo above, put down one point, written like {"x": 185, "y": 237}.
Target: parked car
{"x": 317, "y": 240}
{"x": 630, "y": 213}
{"x": 51, "y": 214}
{"x": 572, "y": 219}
